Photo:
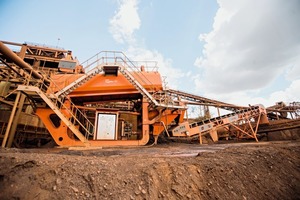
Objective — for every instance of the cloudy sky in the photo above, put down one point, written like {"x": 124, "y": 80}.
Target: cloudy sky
{"x": 237, "y": 51}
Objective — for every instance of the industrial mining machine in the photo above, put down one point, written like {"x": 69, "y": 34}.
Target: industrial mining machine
{"x": 109, "y": 100}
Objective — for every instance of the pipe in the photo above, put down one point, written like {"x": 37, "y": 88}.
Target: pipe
{"x": 18, "y": 61}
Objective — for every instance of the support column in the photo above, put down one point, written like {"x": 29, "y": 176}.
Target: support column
{"x": 11, "y": 118}
{"x": 200, "y": 138}
{"x": 16, "y": 121}
{"x": 145, "y": 123}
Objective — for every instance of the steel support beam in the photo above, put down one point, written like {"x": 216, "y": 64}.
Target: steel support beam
{"x": 11, "y": 118}
{"x": 16, "y": 121}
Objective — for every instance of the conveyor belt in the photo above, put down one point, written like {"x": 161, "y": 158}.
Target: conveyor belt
{"x": 198, "y": 100}
{"x": 244, "y": 115}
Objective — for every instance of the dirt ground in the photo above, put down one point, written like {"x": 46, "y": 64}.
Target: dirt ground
{"x": 264, "y": 170}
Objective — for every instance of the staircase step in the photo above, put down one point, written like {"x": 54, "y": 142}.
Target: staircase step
{"x": 68, "y": 89}
{"x": 53, "y": 104}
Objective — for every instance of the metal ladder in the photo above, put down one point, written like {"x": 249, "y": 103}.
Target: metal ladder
{"x": 57, "y": 106}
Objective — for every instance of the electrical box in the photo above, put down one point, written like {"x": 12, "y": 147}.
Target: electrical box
{"x": 66, "y": 64}
{"x": 106, "y": 126}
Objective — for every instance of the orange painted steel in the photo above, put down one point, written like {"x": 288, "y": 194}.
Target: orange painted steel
{"x": 166, "y": 118}
{"x": 75, "y": 104}
{"x": 108, "y": 85}
{"x": 112, "y": 86}
{"x": 63, "y": 137}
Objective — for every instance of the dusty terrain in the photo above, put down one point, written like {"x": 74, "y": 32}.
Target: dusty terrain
{"x": 265, "y": 170}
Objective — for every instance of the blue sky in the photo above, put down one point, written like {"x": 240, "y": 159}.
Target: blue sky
{"x": 242, "y": 52}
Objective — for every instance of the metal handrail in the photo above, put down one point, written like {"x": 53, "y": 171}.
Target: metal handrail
{"x": 78, "y": 112}
{"x": 117, "y": 57}
{"x": 74, "y": 111}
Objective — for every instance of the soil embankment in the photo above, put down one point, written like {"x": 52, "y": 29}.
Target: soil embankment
{"x": 265, "y": 170}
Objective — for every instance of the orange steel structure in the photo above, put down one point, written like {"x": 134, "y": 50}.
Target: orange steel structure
{"x": 109, "y": 100}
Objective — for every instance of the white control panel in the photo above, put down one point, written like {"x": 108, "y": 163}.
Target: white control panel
{"x": 106, "y": 126}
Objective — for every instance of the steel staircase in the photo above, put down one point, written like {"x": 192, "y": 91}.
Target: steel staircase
{"x": 144, "y": 92}
{"x": 58, "y": 106}
{"x": 114, "y": 58}
{"x": 138, "y": 86}
{"x": 71, "y": 116}
{"x": 75, "y": 119}
{"x": 35, "y": 83}
{"x": 80, "y": 81}
{"x": 92, "y": 67}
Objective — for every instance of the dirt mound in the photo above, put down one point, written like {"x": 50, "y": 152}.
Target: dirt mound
{"x": 289, "y": 134}
{"x": 173, "y": 171}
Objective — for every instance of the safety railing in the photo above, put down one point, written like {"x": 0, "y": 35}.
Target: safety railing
{"x": 119, "y": 58}
{"x": 74, "y": 114}
{"x": 149, "y": 66}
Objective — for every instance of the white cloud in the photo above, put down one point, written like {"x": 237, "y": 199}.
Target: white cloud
{"x": 123, "y": 26}
{"x": 290, "y": 94}
{"x": 293, "y": 72}
{"x": 125, "y": 21}
{"x": 164, "y": 64}
{"x": 244, "y": 98}
{"x": 251, "y": 44}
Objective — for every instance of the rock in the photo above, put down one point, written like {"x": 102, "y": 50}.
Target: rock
{"x": 105, "y": 187}
{"x": 144, "y": 191}
{"x": 58, "y": 181}
{"x": 161, "y": 194}
{"x": 54, "y": 188}
{"x": 74, "y": 189}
